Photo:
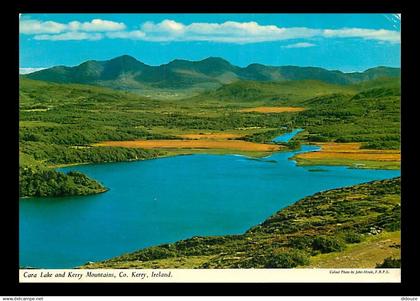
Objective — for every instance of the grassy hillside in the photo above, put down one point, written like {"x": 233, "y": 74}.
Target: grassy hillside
{"x": 341, "y": 228}
{"x": 57, "y": 123}
{"x": 278, "y": 93}
{"x": 368, "y": 112}
{"x": 370, "y": 116}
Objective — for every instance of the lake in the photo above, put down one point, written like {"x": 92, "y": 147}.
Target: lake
{"x": 164, "y": 200}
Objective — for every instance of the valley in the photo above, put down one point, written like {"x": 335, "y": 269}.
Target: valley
{"x": 76, "y": 123}
{"x": 74, "y": 117}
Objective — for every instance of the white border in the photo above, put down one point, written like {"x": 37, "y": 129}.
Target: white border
{"x": 210, "y": 276}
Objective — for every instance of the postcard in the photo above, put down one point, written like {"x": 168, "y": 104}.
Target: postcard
{"x": 202, "y": 148}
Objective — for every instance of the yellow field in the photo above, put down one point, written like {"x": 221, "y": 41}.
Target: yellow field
{"x": 193, "y": 144}
{"x": 273, "y": 109}
{"x": 351, "y": 151}
{"x": 210, "y": 136}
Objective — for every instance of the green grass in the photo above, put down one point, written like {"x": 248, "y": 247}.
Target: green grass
{"x": 367, "y": 254}
{"x": 279, "y": 93}
{"x": 28, "y": 160}
{"x": 35, "y": 124}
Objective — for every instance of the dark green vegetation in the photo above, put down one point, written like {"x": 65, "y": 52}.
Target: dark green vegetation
{"x": 262, "y": 137}
{"x": 390, "y": 263}
{"x": 325, "y": 223}
{"x": 40, "y": 183}
{"x": 125, "y": 72}
{"x": 56, "y": 154}
{"x": 367, "y": 112}
{"x": 57, "y": 125}
{"x": 273, "y": 93}
{"x": 370, "y": 116}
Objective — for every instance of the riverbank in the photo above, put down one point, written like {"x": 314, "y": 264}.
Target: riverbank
{"x": 330, "y": 153}
{"x": 194, "y": 144}
{"x": 310, "y": 233}
{"x": 350, "y": 154}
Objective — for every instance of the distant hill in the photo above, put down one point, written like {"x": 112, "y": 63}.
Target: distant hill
{"x": 296, "y": 91}
{"x": 126, "y": 72}
{"x": 286, "y": 92}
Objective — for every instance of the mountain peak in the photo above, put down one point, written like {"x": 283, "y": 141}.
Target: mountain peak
{"x": 377, "y": 68}
{"x": 124, "y": 58}
{"x": 214, "y": 59}
{"x": 255, "y": 66}
{"x": 181, "y": 73}
{"x": 178, "y": 63}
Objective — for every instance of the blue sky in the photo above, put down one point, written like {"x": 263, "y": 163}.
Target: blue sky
{"x": 347, "y": 42}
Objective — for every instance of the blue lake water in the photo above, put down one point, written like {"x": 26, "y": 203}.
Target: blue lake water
{"x": 164, "y": 200}
{"x": 287, "y": 136}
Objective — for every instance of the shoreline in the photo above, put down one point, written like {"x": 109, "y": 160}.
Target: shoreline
{"x": 125, "y": 257}
{"x": 350, "y": 163}
{"x": 295, "y": 157}
{"x": 351, "y": 155}
{"x": 253, "y": 228}
{"x": 229, "y": 154}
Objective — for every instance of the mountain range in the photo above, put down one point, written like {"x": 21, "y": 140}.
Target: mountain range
{"x": 126, "y": 72}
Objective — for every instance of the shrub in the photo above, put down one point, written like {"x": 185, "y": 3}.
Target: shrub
{"x": 327, "y": 244}
{"x": 301, "y": 242}
{"x": 287, "y": 260}
{"x": 352, "y": 237}
{"x": 154, "y": 253}
{"x": 393, "y": 263}
{"x": 317, "y": 138}
{"x": 294, "y": 145}
{"x": 390, "y": 220}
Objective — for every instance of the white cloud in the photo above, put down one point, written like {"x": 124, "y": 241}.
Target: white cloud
{"x": 227, "y": 32}
{"x": 170, "y": 30}
{"x": 382, "y": 35}
{"x": 97, "y": 25}
{"x": 166, "y": 26}
{"x": 300, "y": 45}
{"x": 38, "y": 27}
{"x": 29, "y": 26}
{"x": 29, "y": 70}
{"x": 134, "y": 35}
{"x": 69, "y": 36}
{"x": 247, "y": 32}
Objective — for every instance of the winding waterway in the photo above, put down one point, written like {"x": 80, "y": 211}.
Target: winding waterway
{"x": 164, "y": 200}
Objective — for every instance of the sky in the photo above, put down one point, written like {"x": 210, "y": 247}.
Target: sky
{"x": 346, "y": 42}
